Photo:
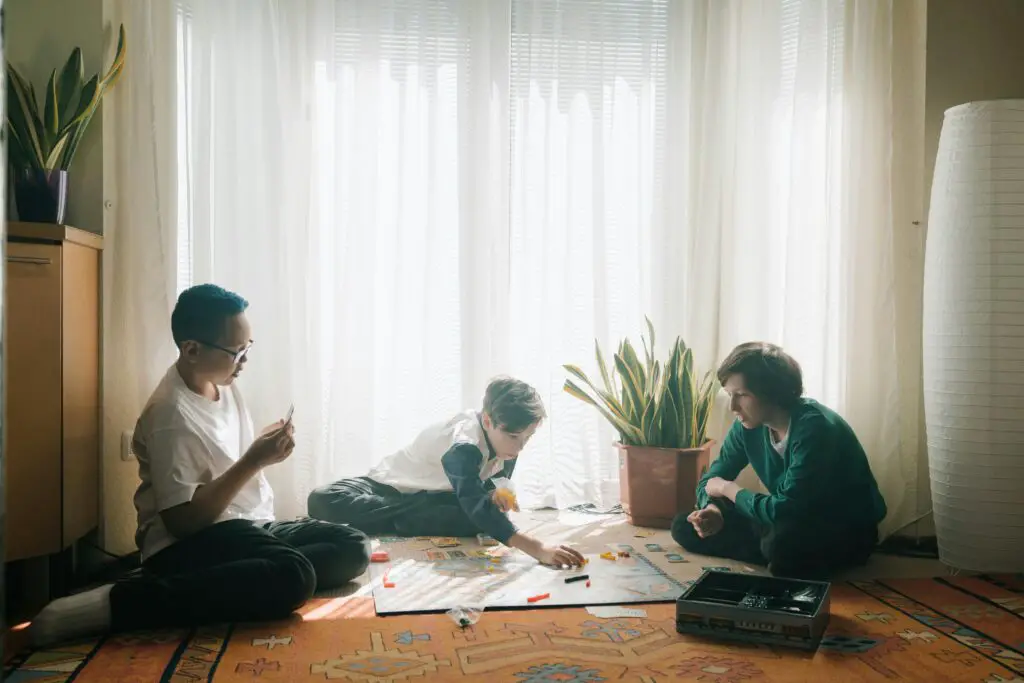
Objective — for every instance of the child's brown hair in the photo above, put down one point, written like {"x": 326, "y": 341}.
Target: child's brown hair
{"x": 513, "y": 405}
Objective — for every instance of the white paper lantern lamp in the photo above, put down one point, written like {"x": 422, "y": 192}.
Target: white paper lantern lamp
{"x": 973, "y": 337}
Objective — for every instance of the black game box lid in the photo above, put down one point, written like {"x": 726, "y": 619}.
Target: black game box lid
{"x": 755, "y": 608}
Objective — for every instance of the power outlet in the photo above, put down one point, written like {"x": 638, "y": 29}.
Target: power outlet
{"x": 126, "y": 446}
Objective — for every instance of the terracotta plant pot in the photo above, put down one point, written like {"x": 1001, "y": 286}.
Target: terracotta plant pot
{"x": 656, "y": 484}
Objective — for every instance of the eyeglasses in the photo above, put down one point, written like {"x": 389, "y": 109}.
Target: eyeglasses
{"x": 236, "y": 356}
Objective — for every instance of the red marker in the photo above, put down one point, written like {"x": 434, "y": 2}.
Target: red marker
{"x": 537, "y": 598}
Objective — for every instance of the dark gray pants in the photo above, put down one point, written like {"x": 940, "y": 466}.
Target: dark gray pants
{"x": 237, "y": 571}
{"x": 378, "y": 509}
{"x": 807, "y": 549}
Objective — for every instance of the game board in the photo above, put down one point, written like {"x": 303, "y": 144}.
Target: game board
{"x": 424, "y": 586}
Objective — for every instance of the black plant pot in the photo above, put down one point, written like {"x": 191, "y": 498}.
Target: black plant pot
{"x": 41, "y": 196}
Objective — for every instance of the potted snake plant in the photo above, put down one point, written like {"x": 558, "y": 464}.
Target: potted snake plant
{"x": 660, "y": 411}
{"x": 42, "y": 139}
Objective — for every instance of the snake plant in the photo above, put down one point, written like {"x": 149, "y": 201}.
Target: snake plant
{"x": 648, "y": 403}
{"x": 46, "y": 138}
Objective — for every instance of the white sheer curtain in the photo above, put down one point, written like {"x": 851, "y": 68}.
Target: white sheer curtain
{"x": 416, "y": 195}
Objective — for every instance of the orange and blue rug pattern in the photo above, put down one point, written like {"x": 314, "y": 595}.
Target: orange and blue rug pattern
{"x": 948, "y": 629}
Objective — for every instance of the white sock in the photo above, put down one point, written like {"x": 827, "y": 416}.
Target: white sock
{"x": 76, "y": 616}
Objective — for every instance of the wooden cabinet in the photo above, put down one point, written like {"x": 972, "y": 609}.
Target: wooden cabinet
{"x": 52, "y": 363}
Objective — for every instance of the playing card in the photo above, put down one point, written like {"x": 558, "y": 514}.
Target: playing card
{"x": 478, "y": 553}
{"x": 446, "y": 542}
{"x": 615, "y": 612}
{"x": 456, "y": 554}
{"x": 721, "y": 569}
{"x": 654, "y": 548}
{"x": 674, "y": 557}
{"x": 644, "y": 533}
{"x": 436, "y": 555}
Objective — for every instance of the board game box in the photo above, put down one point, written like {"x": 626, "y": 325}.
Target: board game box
{"x": 449, "y": 579}
{"x": 754, "y": 608}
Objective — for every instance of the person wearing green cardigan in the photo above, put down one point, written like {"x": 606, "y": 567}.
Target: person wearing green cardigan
{"x": 823, "y": 506}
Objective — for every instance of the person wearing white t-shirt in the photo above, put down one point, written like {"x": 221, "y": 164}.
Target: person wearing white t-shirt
{"x": 211, "y": 550}
{"x": 443, "y": 483}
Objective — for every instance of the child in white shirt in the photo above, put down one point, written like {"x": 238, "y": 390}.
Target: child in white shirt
{"x": 211, "y": 550}
{"x": 442, "y": 483}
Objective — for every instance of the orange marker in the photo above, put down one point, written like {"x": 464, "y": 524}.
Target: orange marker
{"x": 537, "y": 598}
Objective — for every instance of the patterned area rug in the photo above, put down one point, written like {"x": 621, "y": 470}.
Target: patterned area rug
{"x": 951, "y": 629}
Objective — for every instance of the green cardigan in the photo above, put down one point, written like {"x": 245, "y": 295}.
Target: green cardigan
{"x": 822, "y": 473}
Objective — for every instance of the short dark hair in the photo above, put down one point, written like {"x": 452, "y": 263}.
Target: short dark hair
{"x": 513, "y": 405}
{"x": 768, "y": 372}
{"x": 202, "y": 312}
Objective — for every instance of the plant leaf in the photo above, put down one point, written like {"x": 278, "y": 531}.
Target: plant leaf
{"x": 686, "y": 390}
{"x": 629, "y": 355}
{"x": 72, "y": 78}
{"x": 669, "y": 420}
{"x": 53, "y": 160}
{"x": 51, "y": 110}
{"x": 603, "y": 368}
{"x": 631, "y": 389}
{"x": 114, "y": 72}
{"x": 628, "y": 433}
{"x": 648, "y": 425}
{"x": 22, "y": 116}
{"x": 609, "y": 400}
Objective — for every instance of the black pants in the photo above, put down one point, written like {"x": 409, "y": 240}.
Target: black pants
{"x": 238, "y": 571}
{"x": 376, "y": 509}
{"x": 812, "y": 549}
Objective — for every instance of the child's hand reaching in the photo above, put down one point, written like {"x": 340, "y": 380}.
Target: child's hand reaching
{"x": 554, "y": 555}
{"x": 559, "y": 556}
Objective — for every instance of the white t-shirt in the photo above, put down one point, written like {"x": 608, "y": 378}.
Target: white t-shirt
{"x": 183, "y": 441}
{"x": 417, "y": 467}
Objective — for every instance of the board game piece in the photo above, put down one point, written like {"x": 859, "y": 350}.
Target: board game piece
{"x": 537, "y": 598}
{"x": 485, "y": 540}
{"x": 675, "y": 557}
{"x": 623, "y": 553}
{"x": 380, "y": 556}
{"x": 608, "y": 556}
{"x": 423, "y": 587}
{"x": 389, "y": 584}
{"x": 580, "y": 577}
{"x": 654, "y": 548}
{"x": 446, "y": 542}
{"x": 755, "y": 609}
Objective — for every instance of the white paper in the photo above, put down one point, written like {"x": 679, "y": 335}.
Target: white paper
{"x": 614, "y": 612}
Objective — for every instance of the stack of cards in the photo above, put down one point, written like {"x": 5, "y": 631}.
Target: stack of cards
{"x": 446, "y": 542}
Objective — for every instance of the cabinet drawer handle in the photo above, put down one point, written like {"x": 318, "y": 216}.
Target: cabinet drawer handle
{"x": 34, "y": 260}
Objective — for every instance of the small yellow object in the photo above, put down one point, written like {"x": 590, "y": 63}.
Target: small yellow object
{"x": 608, "y": 556}
{"x": 506, "y": 497}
